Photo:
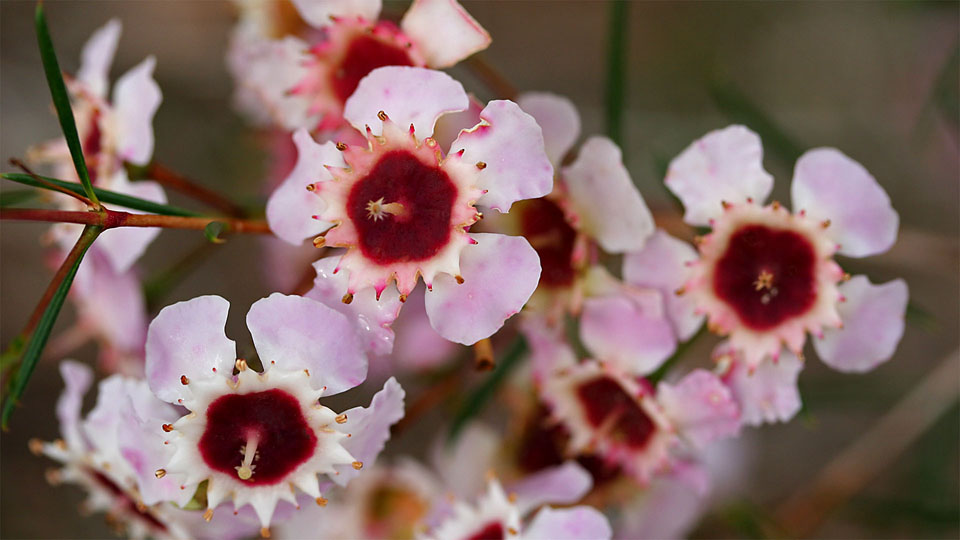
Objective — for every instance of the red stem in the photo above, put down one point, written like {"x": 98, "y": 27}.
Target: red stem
{"x": 109, "y": 219}
{"x": 166, "y": 177}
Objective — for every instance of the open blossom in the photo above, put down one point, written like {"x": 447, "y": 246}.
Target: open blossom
{"x": 767, "y": 393}
{"x": 766, "y": 276}
{"x": 256, "y": 437}
{"x": 104, "y": 453}
{"x": 305, "y": 85}
{"x": 112, "y": 132}
{"x": 403, "y": 208}
{"x": 607, "y": 409}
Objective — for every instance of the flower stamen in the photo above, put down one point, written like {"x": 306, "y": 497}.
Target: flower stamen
{"x": 377, "y": 209}
{"x": 249, "y": 451}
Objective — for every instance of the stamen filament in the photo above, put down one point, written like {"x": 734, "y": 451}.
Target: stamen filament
{"x": 245, "y": 471}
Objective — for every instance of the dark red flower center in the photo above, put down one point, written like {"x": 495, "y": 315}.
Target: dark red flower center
{"x": 611, "y": 409}
{"x": 543, "y": 224}
{"x": 365, "y": 53}
{"x": 766, "y": 275}
{"x": 402, "y": 209}
{"x": 490, "y": 531}
{"x": 272, "y": 420}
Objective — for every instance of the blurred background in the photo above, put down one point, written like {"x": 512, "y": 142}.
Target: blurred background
{"x": 879, "y": 80}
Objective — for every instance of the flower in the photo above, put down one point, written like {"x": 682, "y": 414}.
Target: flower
{"x": 111, "y": 133}
{"x": 254, "y": 437}
{"x": 304, "y": 86}
{"x": 766, "y": 276}
{"x": 607, "y": 409}
{"x": 106, "y": 454}
{"x": 403, "y": 209}
{"x": 765, "y": 394}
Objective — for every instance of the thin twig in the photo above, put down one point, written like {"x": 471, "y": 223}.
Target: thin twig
{"x": 874, "y": 451}
{"x": 17, "y": 163}
{"x": 109, "y": 219}
{"x": 169, "y": 178}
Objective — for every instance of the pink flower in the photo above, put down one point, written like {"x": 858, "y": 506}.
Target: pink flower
{"x": 112, "y": 133}
{"x": 766, "y": 276}
{"x": 302, "y": 85}
{"x": 108, "y": 455}
{"x": 403, "y": 208}
{"x": 767, "y": 393}
{"x": 253, "y": 437}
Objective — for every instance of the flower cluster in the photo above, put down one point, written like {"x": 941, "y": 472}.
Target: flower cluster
{"x": 490, "y": 224}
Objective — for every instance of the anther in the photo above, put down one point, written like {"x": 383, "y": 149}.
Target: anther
{"x": 311, "y": 187}
{"x": 208, "y": 515}
{"x": 481, "y": 165}
{"x": 680, "y": 291}
{"x": 725, "y": 205}
{"x": 825, "y": 223}
{"x": 184, "y": 380}
{"x": 167, "y": 427}
{"x": 382, "y": 116}
{"x": 341, "y": 146}
{"x": 776, "y": 205}
{"x": 35, "y": 446}
{"x": 319, "y": 241}
{"x": 53, "y": 476}
{"x": 341, "y": 419}
{"x": 347, "y": 298}
{"x": 245, "y": 469}
{"x": 403, "y": 298}
{"x": 459, "y": 279}
{"x": 60, "y": 443}
{"x": 160, "y": 473}
{"x": 846, "y": 277}
{"x": 240, "y": 364}
{"x": 512, "y": 531}
{"x": 358, "y": 465}
{"x": 321, "y": 501}
{"x": 764, "y": 281}
{"x": 265, "y": 532}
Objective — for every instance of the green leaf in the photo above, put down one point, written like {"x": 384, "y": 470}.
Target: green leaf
{"x": 479, "y": 397}
{"x": 120, "y": 199}
{"x": 213, "y": 230}
{"x": 738, "y": 108}
{"x": 15, "y": 197}
{"x": 38, "y": 340}
{"x": 616, "y": 74}
{"x": 61, "y": 102}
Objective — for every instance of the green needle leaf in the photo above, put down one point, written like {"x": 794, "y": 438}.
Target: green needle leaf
{"x": 738, "y": 108}
{"x": 61, "y": 102}
{"x": 120, "y": 199}
{"x": 38, "y": 340}
{"x": 616, "y": 74}
{"x": 476, "y": 401}
{"x": 15, "y": 197}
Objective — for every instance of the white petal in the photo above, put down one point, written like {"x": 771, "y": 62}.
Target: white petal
{"x": 500, "y": 273}
{"x": 76, "y": 379}
{"x": 136, "y": 97}
{"x": 187, "y": 338}
{"x": 558, "y": 119}
{"x": 291, "y": 207}
{"x": 723, "y": 165}
{"x": 510, "y": 143}
{"x": 873, "y": 323}
{"x": 408, "y": 95}
{"x": 701, "y": 406}
{"x": 97, "y": 56}
{"x": 636, "y": 337}
{"x": 828, "y": 185}
{"x": 767, "y": 393}
{"x": 370, "y": 428}
{"x": 662, "y": 264}
{"x": 607, "y": 202}
{"x": 463, "y": 467}
{"x": 318, "y": 12}
{"x": 444, "y": 31}
{"x": 563, "y": 484}
{"x": 294, "y": 333}
{"x": 577, "y": 523}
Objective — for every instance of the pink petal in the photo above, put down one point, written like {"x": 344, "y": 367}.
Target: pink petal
{"x": 636, "y": 337}
{"x": 136, "y": 97}
{"x": 872, "y": 325}
{"x": 124, "y": 245}
{"x": 828, "y": 185}
{"x": 563, "y": 484}
{"x": 444, "y": 32}
{"x": 449, "y": 126}
{"x": 408, "y": 95}
{"x": 187, "y": 338}
{"x": 768, "y": 393}
{"x": 76, "y": 380}
{"x": 577, "y": 523}
{"x": 318, "y": 12}
{"x": 370, "y": 428}
{"x": 702, "y": 408}
{"x": 291, "y": 207}
{"x": 371, "y": 317}
{"x": 668, "y": 508}
{"x": 112, "y": 303}
{"x": 609, "y": 206}
{"x": 97, "y": 56}
{"x": 510, "y": 143}
{"x": 558, "y": 119}
{"x": 295, "y": 333}
{"x": 418, "y": 346}
{"x": 500, "y": 273}
{"x": 463, "y": 466}
{"x": 661, "y": 264}
{"x": 723, "y": 165}
{"x": 549, "y": 351}
{"x": 266, "y": 71}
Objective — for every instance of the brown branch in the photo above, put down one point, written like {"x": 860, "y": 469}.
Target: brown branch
{"x": 173, "y": 180}
{"x": 873, "y": 452}
{"x": 109, "y": 219}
